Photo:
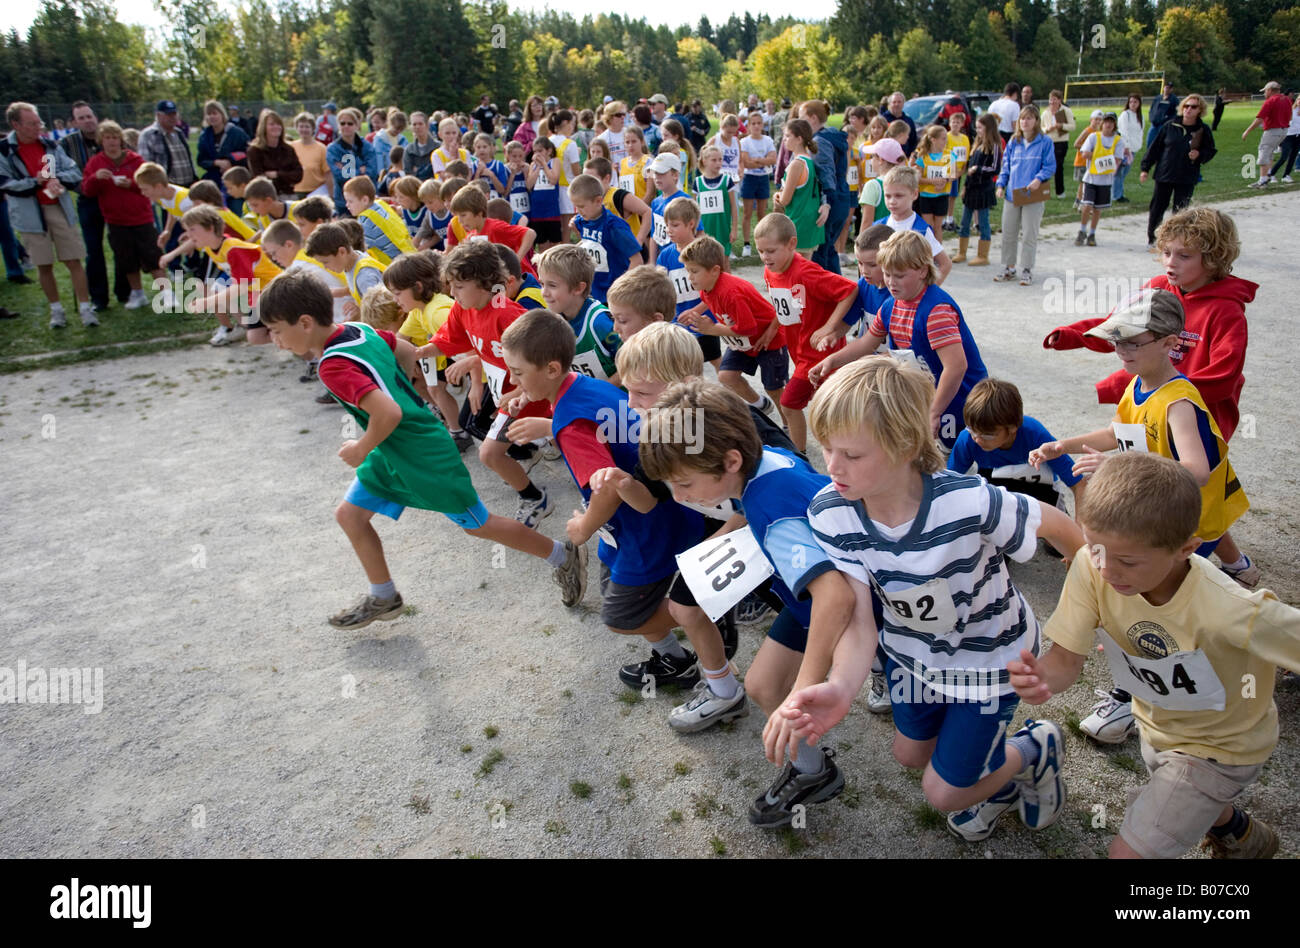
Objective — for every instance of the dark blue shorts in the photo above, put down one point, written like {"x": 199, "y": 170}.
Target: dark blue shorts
{"x": 773, "y": 364}
{"x": 789, "y": 631}
{"x": 755, "y": 187}
{"x": 971, "y": 735}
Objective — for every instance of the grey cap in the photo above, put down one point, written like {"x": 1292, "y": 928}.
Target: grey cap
{"x": 1148, "y": 310}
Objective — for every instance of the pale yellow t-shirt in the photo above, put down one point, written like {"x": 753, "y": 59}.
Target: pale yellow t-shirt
{"x": 1241, "y": 633}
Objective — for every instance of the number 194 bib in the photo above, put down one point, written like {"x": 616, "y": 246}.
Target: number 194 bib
{"x": 1184, "y": 681}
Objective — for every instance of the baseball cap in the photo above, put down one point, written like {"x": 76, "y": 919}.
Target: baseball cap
{"x": 886, "y": 148}
{"x": 666, "y": 162}
{"x": 607, "y": 100}
{"x": 166, "y": 105}
{"x": 1271, "y": 85}
{"x": 329, "y": 107}
{"x": 1098, "y": 113}
{"x": 551, "y": 100}
{"x": 1110, "y": 115}
{"x": 659, "y": 98}
{"x": 1148, "y": 310}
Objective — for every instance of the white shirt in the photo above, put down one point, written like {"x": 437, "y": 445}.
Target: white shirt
{"x": 617, "y": 147}
{"x": 1130, "y": 128}
{"x": 1008, "y": 113}
{"x": 757, "y": 148}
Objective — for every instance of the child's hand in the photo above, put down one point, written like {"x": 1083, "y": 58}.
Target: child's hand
{"x": 824, "y": 213}
{"x": 811, "y": 713}
{"x": 351, "y": 310}
{"x": 936, "y": 419}
{"x": 819, "y": 372}
{"x": 352, "y": 453}
{"x": 103, "y": 174}
{"x": 475, "y": 398}
{"x": 161, "y": 241}
{"x": 457, "y": 369}
{"x": 1087, "y": 465}
{"x": 576, "y": 530}
{"x": 529, "y": 429}
{"x": 1045, "y": 452}
{"x": 614, "y": 477}
{"x": 693, "y": 320}
{"x": 1026, "y": 679}
{"x": 516, "y": 404}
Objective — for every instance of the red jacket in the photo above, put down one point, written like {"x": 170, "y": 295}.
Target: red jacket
{"x": 123, "y": 207}
{"x": 1212, "y": 352}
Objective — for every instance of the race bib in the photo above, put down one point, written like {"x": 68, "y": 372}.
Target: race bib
{"x": 660, "y": 231}
{"x": 430, "y": 369}
{"x": 926, "y": 608}
{"x": 789, "y": 308}
{"x": 482, "y": 237}
{"x": 588, "y": 363}
{"x": 596, "y": 251}
{"x": 543, "y": 184}
{"x": 627, "y": 182}
{"x": 1104, "y": 164}
{"x": 1184, "y": 681}
{"x": 1023, "y": 472}
{"x": 852, "y": 175}
{"x": 936, "y": 172}
{"x": 734, "y": 342}
{"x": 496, "y": 381}
{"x": 908, "y": 357}
{"x": 723, "y": 570}
{"x": 519, "y": 202}
{"x": 686, "y": 290}
{"x": 959, "y": 154}
{"x": 711, "y": 202}
{"x": 1130, "y": 437}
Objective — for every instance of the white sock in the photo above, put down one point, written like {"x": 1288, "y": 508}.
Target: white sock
{"x": 757, "y": 403}
{"x": 668, "y": 645}
{"x": 1240, "y": 564}
{"x": 559, "y": 553}
{"x": 56, "y": 308}
{"x": 722, "y": 682}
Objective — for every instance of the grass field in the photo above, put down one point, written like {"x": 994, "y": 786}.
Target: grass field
{"x": 123, "y": 333}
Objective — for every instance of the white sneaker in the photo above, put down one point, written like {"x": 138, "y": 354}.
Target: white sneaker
{"x": 58, "y": 319}
{"x": 1286, "y": 179}
{"x": 976, "y": 823}
{"x": 1247, "y": 576}
{"x": 1111, "y": 721}
{"x": 745, "y": 252}
{"x": 221, "y": 337}
{"x": 163, "y": 301}
{"x": 878, "y": 696}
{"x": 1042, "y": 791}
{"x": 532, "y": 512}
{"x": 136, "y": 300}
{"x": 88, "y": 317}
{"x": 1258, "y": 184}
{"x": 706, "y": 709}
{"x": 767, "y": 406}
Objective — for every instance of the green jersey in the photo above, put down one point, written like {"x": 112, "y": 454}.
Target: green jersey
{"x": 418, "y": 464}
{"x": 804, "y": 207}
{"x": 715, "y": 207}
{"x": 597, "y": 341}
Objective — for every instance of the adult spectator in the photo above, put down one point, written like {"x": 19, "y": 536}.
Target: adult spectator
{"x": 752, "y": 101}
{"x": 1275, "y": 117}
{"x": 327, "y": 126}
{"x": 270, "y": 156}
{"x": 1028, "y": 164}
{"x": 349, "y": 156}
{"x": 832, "y": 163}
{"x": 81, "y": 144}
{"x": 513, "y": 118}
{"x": 698, "y": 128}
{"x": 311, "y": 158}
{"x": 769, "y": 115}
{"x": 1007, "y": 109}
{"x": 659, "y": 108}
{"x": 417, "y": 159}
{"x": 644, "y": 119}
{"x": 1163, "y": 109}
{"x": 485, "y": 116}
{"x": 222, "y": 143}
{"x": 392, "y": 135}
{"x": 1058, "y": 123}
{"x": 377, "y": 118}
{"x": 1177, "y": 153}
{"x": 1220, "y": 100}
{"x": 682, "y": 116}
{"x": 1026, "y": 96}
{"x": 894, "y": 113}
{"x": 164, "y": 145}
{"x": 1130, "y": 129}
{"x": 550, "y": 106}
{"x": 615, "y": 115}
{"x": 110, "y": 178}
{"x": 245, "y": 122}
{"x": 534, "y": 123}
{"x": 1290, "y": 145}
{"x": 35, "y": 175}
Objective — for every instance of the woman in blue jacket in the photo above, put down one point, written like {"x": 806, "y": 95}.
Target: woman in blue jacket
{"x": 1029, "y": 162}
{"x": 350, "y": 155}
{"x": 222, "y": 143}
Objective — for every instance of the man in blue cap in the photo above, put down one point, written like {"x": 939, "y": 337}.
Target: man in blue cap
{"x": 163, "y": 144}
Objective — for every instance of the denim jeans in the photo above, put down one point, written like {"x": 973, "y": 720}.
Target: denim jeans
{"x": 826, "y": 256}
{"x": 1121, "y": 173}
{"x": 986, "y": 232}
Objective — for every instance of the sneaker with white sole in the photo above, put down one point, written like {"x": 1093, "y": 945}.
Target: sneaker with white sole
{"x": 1042, "y": 791}
{"x": 532, "y": 512}
{"x": 1026, "y": 278}
{"x": 1111, "y": 721}
{"x": 753, "y": 608}
{"x": 221, "y": 337}
{"x": 58, "y": 319}
{"x": 1006, "y": 276}
{"x": 87, "y": 313}
{"x": 706, "y": 709}
{"x": 572, "y": 576}
{"x": 664, "y": 670}
{"x": 366, "y": 610}
{"x": 1285, "y": 179}
{"x": 775, "y": 808}
{"x": 976, "y": 823}
{"x": 878, "y": 697}
{"x": 462, "y": 439}
{"x": 1247, "y": 575}
{"x": 137, "y": 300}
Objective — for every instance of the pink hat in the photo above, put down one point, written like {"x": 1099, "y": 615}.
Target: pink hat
{"x": 887, "y": 148}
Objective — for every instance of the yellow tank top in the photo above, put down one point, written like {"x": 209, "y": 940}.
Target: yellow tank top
{"x": 266, "y": 220}
{"x": 422, "y": 324}
{"x": 632, "y": 177}
{"x": 934, "y": 169}
{"x": 393, "y": 227}
{"x": 560, "y": 146}
{"x": 1104, "y": 160}
{"x": 179, "y": 202}
{"x": 366, "y": 262}
{"x": 1222, "y": 498}
{"x": 959, "y": 145}
{"x": 633, "y": 220}
{"x": 236, "y": 223}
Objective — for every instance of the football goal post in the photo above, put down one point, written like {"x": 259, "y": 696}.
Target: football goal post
{"x": 1114, "y": 85}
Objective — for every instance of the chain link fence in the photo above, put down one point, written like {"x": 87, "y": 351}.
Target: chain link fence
{"x": 141, "y": 114}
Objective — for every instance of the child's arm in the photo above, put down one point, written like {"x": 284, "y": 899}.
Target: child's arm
{"x": 1037, "y": 679}
{"x": 431, "y": 351}
{"x": 735, "y": 215}
{"x": 630, "y": 490}
{"x": 530, "y": 178}
{"x": 183, "y": 249}
{"x": 385, "y": 415}
{"x": 406, "y": 357}
{"x": 496, "y": 182}
{"x": 944, "y": 263}
{"x": 782, "y": 197}
{"x": 864, "y": 345}
{"x": 1103, "y": 439}
{"x": 1060, "y": 531}
{"x": 954, "y": 362}
{"x": 583, "y": 524}
{"x": 528, "y": 429}
{"x": 1187, "y": 440}
{"x": 166, "y": 234}
{"x": 526, "y": 242}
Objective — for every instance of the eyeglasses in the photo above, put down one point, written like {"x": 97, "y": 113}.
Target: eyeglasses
{"x": 1127, "y": 345}
{"x": 1195, "y": 107}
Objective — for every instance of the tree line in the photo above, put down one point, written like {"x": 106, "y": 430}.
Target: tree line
{"x": 430, "y": 53}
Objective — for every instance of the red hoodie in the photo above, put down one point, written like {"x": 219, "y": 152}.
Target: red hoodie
{"x": 1212, "y": 352}
{"x": 122, "y": 207}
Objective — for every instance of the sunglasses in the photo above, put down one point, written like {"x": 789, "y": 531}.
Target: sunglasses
{"x": 1125, "y": 345}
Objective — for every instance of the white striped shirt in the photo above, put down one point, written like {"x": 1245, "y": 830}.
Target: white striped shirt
{"x": 952, "y": 615}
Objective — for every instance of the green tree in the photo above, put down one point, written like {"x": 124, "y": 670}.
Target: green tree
{"x": 703, "y": 68}
{"x": 989, "y": 56}
{"x": 1052, "y": 55}
{"x": 1277, "y": 46}
{"x": 1192, "y": 51}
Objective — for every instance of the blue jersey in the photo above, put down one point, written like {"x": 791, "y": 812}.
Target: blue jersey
{"x": 544, "y": 200}
{"x": 1012, "y": 463}
{"x": 414, "y": 221}
{"x": 775, "y": 502}
{"x": 440, "y": 224}
{"x": 688, "y": 296}
{"x": 870, "y": 299}
{"x": 499, "y": 169}
{"x": 644, "y": 545}
{"x": 659, "y": 232}
{"x": 518, "y": 196}
{"x": 610, "y": 244}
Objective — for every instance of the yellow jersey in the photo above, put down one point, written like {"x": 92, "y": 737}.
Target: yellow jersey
{"x": 364, "y": 262}
{"x": 422, "y": 324}
{"x": 934, "y": 169}
{"x": 632, "y": 177}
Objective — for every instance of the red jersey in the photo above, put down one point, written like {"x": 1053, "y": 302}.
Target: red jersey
{"x": 809, "y": 294}
{"x": 480, "y": 330}
{"x": 737, "y": 304}
{"x": 124, "y": 207}
{"x": 498, "y": 232}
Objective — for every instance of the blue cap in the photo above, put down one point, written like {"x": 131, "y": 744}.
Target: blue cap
{"x": 166, "y": 105}
{"x": 329, "y": 106}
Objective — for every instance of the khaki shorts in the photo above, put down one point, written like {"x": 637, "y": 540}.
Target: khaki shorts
{"x": 60, "y": 239}
{"x": 1167, "y": 817}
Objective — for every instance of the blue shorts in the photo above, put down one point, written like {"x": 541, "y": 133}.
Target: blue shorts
{"x": 774, "y": 365}
{"x": 477, "y": 516}
{"x": 972, "y": 735}
{"x": 1205, "y": 549}
{"x": 787, "y": 630}
{"x": 755, "y": 187}
{"x": 956, "y": 186}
